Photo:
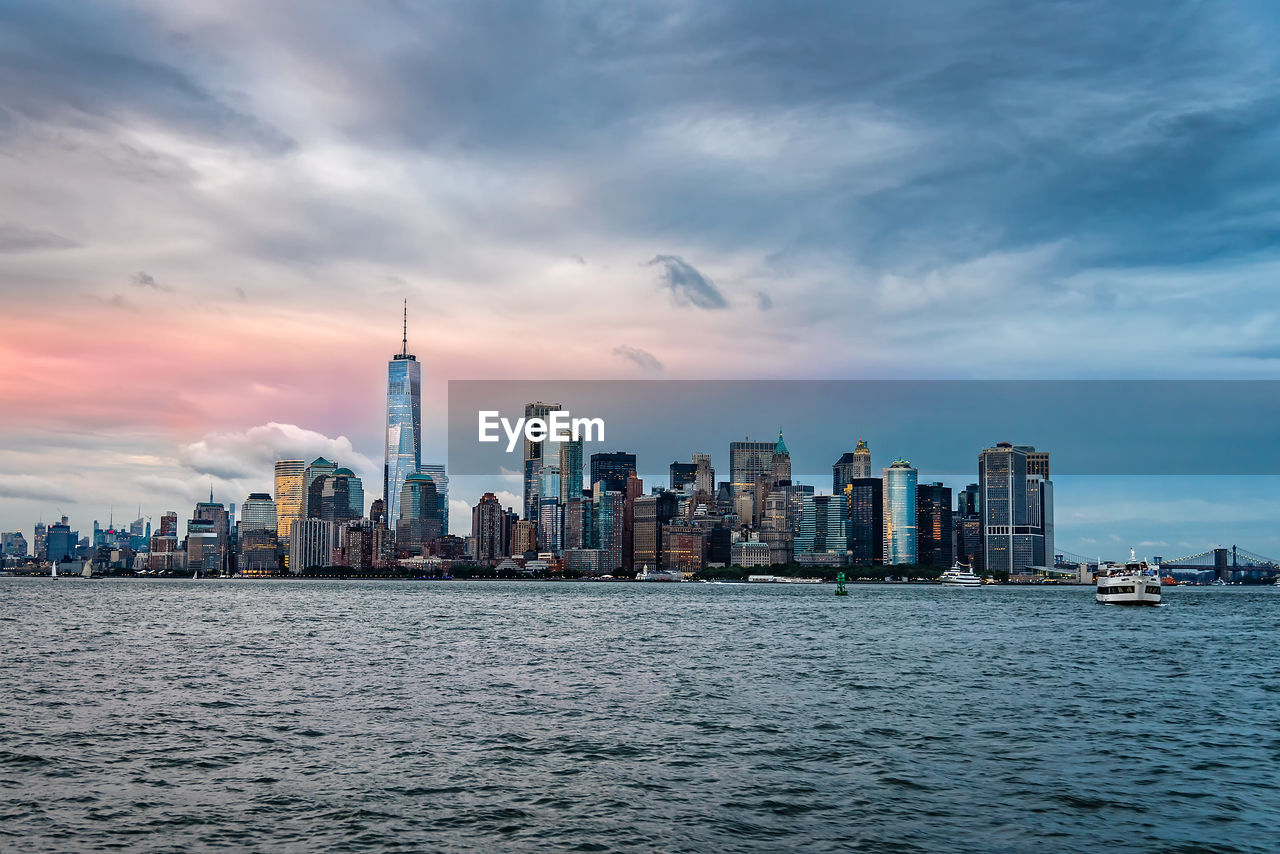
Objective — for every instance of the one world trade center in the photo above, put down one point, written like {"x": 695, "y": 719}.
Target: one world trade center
{"x": 404, "y": 424}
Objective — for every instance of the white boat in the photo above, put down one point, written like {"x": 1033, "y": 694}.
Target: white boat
{"x": 648, "y": 574}
{"x": 53, "y": 573}
{"x": 1135, "y": 583}
{"x": 960, "y": 576}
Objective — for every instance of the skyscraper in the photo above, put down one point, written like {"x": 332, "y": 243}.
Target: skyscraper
{"x": 258, "y": 513}
{"x": 550, "y": 523}
{"x": 780, "y": 463}
{"x": 613, "y": 468}
{"x": 486, "y": 527}
{"x": 747, "y": 461}
{"x": 534, "y": 458}
{"x": 935, "y": 534}
{"x": 1013, "y": 507}
{"x": 900, "y": 513}
{"x": 288, "y": 493}
{"x": 683, "y": 474}
{"x": 436, "y": 470}
{"x": 824, "y": 525}
{"x": 851, "y": 465}
{"x": 312, "y": 484}
{"x": 419, "y": 520}
{"x": 404, "y": 424}
{"x": 704, "y": 474}
{"x": 651, "y": 513}
{"x": 570, "y": 470}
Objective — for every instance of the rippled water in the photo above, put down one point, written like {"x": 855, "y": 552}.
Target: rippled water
{"x": 452, "y": 716}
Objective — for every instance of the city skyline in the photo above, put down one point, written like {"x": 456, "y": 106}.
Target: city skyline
{"x": 215, "y": 282}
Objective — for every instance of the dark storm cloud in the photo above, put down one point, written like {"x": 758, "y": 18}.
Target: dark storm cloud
{"x": 89, "y": 65}
{"x": 1128, "y": 131}
{"x": 687, "y": 285}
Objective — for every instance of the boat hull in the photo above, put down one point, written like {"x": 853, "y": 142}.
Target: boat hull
{"x": 1128, "y": 590}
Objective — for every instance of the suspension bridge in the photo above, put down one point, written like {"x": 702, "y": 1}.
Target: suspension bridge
{"x": 1224, "y": 563}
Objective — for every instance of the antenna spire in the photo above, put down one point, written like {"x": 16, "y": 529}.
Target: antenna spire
{"x": 404, "y": 341}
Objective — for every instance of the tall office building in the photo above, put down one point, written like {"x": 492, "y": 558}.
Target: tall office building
{"x": 968, "y": 502}
{"x": 534, "y": 458}
{"x": 852, "y": 465}
{"x": 40, "y": 541}
{"x": 704, "y": 478}
{"x": 550, "y": 523}
{"x": 613, "y": 468}
{"x": 403, "y": 455}
{"x": 1013, "y": 508}
{"x": 441, "y": 480}
{"x": 747, "y": 461}
{"x": 682, "y": 475}
{"x": 900, "y": 513}
{"x": 606, "y": 526}
{"x": 570, "y": 470}
{"x": 651, "y": 514}
{"x": 256, "y": 538}
{"x": 14, "y": 545}
{"x": 935, "y": 532}
{"x": 633, "y": 489}
{"x": 288, "y": 493}
{"x": 419, "y": 522}
{"x": 312, "y": 543}
{"x": 258, "y": 513}
{"x": 61, "y": 541}
{"x": 317, "y": 469}
{"x": 780, "y": 464}
{"x": 824, "y": 525}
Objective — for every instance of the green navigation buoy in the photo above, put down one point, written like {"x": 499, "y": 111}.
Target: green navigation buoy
{"x": 840, "y": 591}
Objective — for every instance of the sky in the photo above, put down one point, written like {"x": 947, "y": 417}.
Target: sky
{"x": 210, "y": 213}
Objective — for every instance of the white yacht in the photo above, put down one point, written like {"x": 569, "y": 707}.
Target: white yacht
{"x": 648, "y": 574}
{"x": 960, "y": 576}
{"x": 1135, "y": 583}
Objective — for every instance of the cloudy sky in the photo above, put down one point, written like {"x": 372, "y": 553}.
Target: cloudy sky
{"x": 211, "y": 212}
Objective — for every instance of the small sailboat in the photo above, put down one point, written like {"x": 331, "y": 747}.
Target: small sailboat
{"x": 53, "y": 573}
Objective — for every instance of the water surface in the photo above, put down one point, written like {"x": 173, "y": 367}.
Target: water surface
{"x": 452, "y": 716}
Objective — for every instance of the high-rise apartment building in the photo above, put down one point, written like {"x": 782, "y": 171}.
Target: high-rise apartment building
{"x": 486, "y": 528}
{"x": 900, "y": 513}
{"x": 403, "y": 449}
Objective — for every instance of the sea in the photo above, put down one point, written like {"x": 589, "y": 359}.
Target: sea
{"x": 572, "y": 716}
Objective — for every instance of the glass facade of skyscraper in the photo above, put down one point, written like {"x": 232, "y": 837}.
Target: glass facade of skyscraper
{"x": 900, "y": 513}
{"x": 404, "y": 430}
{"x": 288, "y": 492}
